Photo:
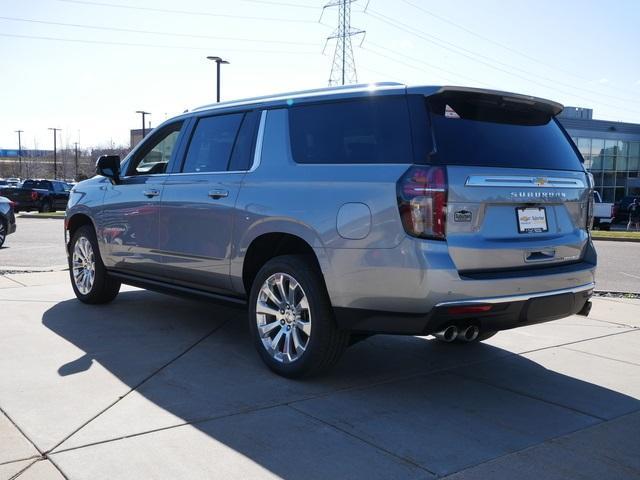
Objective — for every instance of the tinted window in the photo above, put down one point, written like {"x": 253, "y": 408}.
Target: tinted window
{"x": 484, "y": 130}
{"x": 242, "y": 156}
{"x": 156, "y": 152}
{"x": 39, "y": 184}
{"x": 211, "y": 143}
{"x": 371, "y": 130}
{"x": 58, "y": 187}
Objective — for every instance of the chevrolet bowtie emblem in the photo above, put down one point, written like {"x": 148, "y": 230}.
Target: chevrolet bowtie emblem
{"x": 541, "y": 181}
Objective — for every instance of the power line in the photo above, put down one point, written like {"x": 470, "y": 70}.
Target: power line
{"x": 490, "y": 63}
{"x": 187, "y": 12}
{"x": 430, "y": 65}
{"x": 386, "y": 19}
{"x": 152, "y": 32}
{"x": 492, "y": 41}
{"x": 148, "y": 45}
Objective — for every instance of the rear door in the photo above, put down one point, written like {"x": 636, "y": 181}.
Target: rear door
{"x": 197, "y": 213}
{"x": 518, "y": 193}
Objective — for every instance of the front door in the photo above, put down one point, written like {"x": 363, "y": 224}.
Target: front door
{"x": 196, "y": 217}
{"x": 130, "y": 212}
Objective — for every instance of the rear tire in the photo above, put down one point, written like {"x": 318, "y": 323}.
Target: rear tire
{"x": 291, "y": 318}
{"x": 45, "y": 207}
{"x": 3, "y": 231}
{"x": 89, "y": 278}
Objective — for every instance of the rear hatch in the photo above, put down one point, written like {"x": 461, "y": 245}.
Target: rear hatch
{"x": 518, "y": 194}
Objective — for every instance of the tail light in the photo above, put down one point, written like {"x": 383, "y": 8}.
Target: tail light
{"x": 590, "y": 209}
{"x": 590, "y": 202}
{"x": 422, "y": 201}
{"x": 34, "y": 195}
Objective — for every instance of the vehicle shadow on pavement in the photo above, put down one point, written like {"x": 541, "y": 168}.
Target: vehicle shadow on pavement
{"x": 426, "y": 406}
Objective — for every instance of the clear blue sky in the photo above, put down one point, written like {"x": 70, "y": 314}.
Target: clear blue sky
{"x": 578, "y": 52}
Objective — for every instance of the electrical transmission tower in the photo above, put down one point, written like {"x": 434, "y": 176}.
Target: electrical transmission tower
{"x": 343, "y": 69}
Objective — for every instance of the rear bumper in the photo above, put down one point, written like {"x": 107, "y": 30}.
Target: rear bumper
{"x": 503, "y": 313}
{"x": 409, "y": 289}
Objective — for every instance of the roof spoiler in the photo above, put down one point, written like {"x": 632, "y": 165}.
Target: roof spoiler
{"x": 541, "y": 104}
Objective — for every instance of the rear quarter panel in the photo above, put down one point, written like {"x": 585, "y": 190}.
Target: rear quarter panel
{"x": 304, "y": 200}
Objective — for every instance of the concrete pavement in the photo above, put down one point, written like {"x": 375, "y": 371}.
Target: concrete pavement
{"x": 153, "y": 386}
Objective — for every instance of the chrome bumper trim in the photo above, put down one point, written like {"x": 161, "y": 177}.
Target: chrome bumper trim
{"x": 519, "y": 298}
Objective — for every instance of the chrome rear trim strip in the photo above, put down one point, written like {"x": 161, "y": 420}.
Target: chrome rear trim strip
{"x": 523, "y": 181}
{"x": 518, "y": 298}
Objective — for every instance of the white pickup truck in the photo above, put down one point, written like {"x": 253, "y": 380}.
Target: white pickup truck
{"x": 602, "y": 213}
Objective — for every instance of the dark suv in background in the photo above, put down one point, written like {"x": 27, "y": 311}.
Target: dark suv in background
{"x": 449, "y": 211}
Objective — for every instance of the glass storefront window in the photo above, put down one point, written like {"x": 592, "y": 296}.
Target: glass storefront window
{"x": 596, "y": 163}
{"x": 623, "y": 149}
{"x": 584, "y": 145}
{"x": 608, "y": 195}
{"x": 610, "y": 147}
{"x": 620, "y": 192}
{"x": 609, "y": 163}
{"x": 634, "y": 149}
{"x": 609, "y": 179}
{"x": 621, "y": 179}
{"x": 597, "y": 178}
{"x": 622, "y": 164}
{"x": 634, "y": 163}
{"x": 597, "y": 146}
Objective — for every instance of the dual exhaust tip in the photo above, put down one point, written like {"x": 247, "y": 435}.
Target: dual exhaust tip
{"x": 451, "y": 333}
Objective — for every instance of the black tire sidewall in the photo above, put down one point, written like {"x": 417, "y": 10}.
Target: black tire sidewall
{"x": 103, "y": 287}
{"x": 322, "y": 321}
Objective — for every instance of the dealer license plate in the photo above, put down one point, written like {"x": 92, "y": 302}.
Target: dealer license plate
{"x": 532, "y": 220}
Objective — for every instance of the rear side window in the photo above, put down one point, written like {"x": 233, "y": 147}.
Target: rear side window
{"x": 212, "y": 142}
{"x": 486, "y": 130}
{"x": 371, "y": 130}
{"x": 241, "y": 158}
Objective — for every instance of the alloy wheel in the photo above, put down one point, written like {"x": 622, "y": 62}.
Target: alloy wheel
{"x": 283, "y": 318}
{"x": 84, "y": 265}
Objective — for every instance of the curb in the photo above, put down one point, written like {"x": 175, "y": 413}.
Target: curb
{"x": 40, "y": 215}
{"x": 13, "y": 270}
{"x": 614, "y": 239}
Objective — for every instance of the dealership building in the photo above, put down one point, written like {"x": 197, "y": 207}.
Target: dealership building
{"x": 611, "y": 151}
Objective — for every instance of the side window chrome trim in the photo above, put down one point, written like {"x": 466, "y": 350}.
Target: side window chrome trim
{"x": 257, "y": 154}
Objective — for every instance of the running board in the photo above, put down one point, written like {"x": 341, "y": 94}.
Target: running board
{"x": 177, "y": 290}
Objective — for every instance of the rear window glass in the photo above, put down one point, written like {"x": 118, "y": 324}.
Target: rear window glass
{"x": 484, "y": 130}
{"x": 371, "y": 130}
{"x": 41, "y": 184}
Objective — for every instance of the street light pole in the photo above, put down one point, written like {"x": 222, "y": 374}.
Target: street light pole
{"x": 76, "y": 147}
{"x": 219, "y": 61}
{"x": 19, "y": 153}
{"x": 143, "y": 113}
{"x": 55, "y": 152}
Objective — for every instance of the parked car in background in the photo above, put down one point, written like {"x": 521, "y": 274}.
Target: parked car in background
{"x": 621, "y": 209}
{"x": 15, "y": 182}
{"x": 7, "y": 219}
{"x": 603, "y": 212}
{"x": 40, "y": 195}
{"x": 3, "y": 182}
{"x": 349, "y": 211}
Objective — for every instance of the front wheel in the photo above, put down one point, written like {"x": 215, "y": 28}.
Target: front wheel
{"x": 291, "y": 318}
{"x": 89, "y": 278}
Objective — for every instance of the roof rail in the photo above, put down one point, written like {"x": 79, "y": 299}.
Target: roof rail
{"x": 300, "y": 93}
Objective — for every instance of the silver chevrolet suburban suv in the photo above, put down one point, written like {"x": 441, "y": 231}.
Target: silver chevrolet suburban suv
{"x": 338, "y": 213}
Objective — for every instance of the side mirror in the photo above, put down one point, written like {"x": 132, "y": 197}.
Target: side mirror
{"x": 109, "y": 166}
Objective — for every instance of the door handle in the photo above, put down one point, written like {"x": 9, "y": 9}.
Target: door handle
{"x": 217, "y": 194}
{"x": 151, "y": 193}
